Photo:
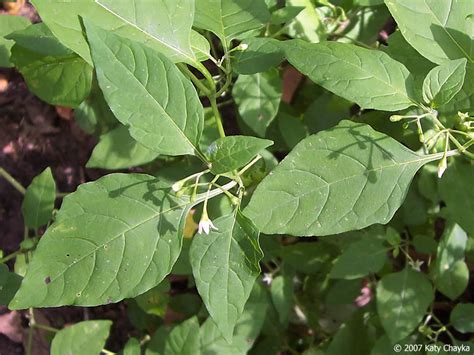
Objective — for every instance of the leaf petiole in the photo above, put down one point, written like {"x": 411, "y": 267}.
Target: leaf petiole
{"x": 196, "y": 81}
{"x": 249, "y": 165}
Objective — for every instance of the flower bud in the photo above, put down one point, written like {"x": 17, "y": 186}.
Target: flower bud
{"x": 442, "y": 166}
{"x": 396, "y": 118}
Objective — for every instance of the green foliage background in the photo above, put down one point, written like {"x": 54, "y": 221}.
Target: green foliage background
{"x": 338, "y": 221}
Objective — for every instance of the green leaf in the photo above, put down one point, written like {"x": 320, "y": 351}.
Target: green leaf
{"x": 351, "y": 338}
{"x": 439, "y": 30}
{"x": 308, "y": 258}
{"x": 285, "y": 14}
{"x": 228, "y": 19}
{"x": 261, "y": 55}
{"x": 94, "y": 115}
{"x": 54, "y": 73}
{"x": 175, "y": 18}
{"x": 9, "y": 284}
{"x": 114, "y": 238}
{"x": 365, "y": 27}
{"x": 454, "y": 191}
{"x": 361, "y": 258}
{"x": 462, "y": 317}
{"x": 225, "y": 265}
{"x": 325, "y": 112}
{"x": 368, "y": 2}
{"x": 155, "y": 301}
{"x": 453, "y": 282}
{"x": 147, "y": 93}
{"x": 9, "y": 24}
{"x": 414, "y": 209}
{"x": 156, "y": 345}
{"x": 418, "y": 66}
{"x": 132, "y": 19}
{"x": 449, "y": 271}
{"x": 186, "y": 304}
{"x": 184, "y": 339}
{"x": 282, "y": 296}
{"x": 349, "y": 177}
{"x": 292, "y": 129}
{"x": 131, "y": 348}
{"x": 308, "y": 24}
{"x": 367, "y": 77}
{"x": 246, "y": 330}
{"x": 258, "y": 97}
{"x": 38, "y": 203}
{"x": 444, "y": 82}
{"x": 117, "y": 150}
{"x": 343, "y": 292}
{"x": 81, "y": 338}
{"x": 200, "y": 46}
{"x": 402, "y": 301}
{"x": 229, "y": 153}
{"x": 424, "y": 244}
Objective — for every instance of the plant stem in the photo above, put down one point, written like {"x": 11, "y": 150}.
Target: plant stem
{"x": 29, "y": 345}
{"x": 461, "y": 148}
{"x": 228, "y": 72}
{"x": 45, "y": 327}
{"x": 245, "y": 168}
{"x": 227, "y": 193}
{"x": 225, "y": 103}
{"x": 11, "y": 256}
{"x": 211, "y": 43}
{"x": 207, "y": 75}
{"x": 449, "y": 153}
{"x": 12, "y": 181}
{"x": 217, "y": 116}
{"x": 194, "y": 79}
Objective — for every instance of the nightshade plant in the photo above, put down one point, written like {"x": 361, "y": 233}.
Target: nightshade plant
{"x": 375, "y": 166}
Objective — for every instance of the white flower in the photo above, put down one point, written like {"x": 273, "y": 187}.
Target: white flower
{"x": 442, "y": 166}
{"x": 177, "y": 186}
{"x": 206, "y": 225}
{"x": 267, "y": 278}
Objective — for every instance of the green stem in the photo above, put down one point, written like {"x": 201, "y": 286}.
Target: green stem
{"x": 225, "y": 103}
{"x": 227, "y": 193}
{"x": 462, "y": 149}
{"x": 249, "y": 165}
{"x": 217, "y": 116}
{"x": 468, "y": 144}
{"x": 440, "y": 155}
{"x": 194, "y": 79}
{"x": 228, "y": 71}
{"x": 12, "y": 181}
{"x": 45, "y": 327}
{"x": 211, "y": 43}
{"x": 208, "y": 76}
{"x": 29, "y": 345}
{"x": 11, "y": 256}
{"x": 279, "y": 32}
